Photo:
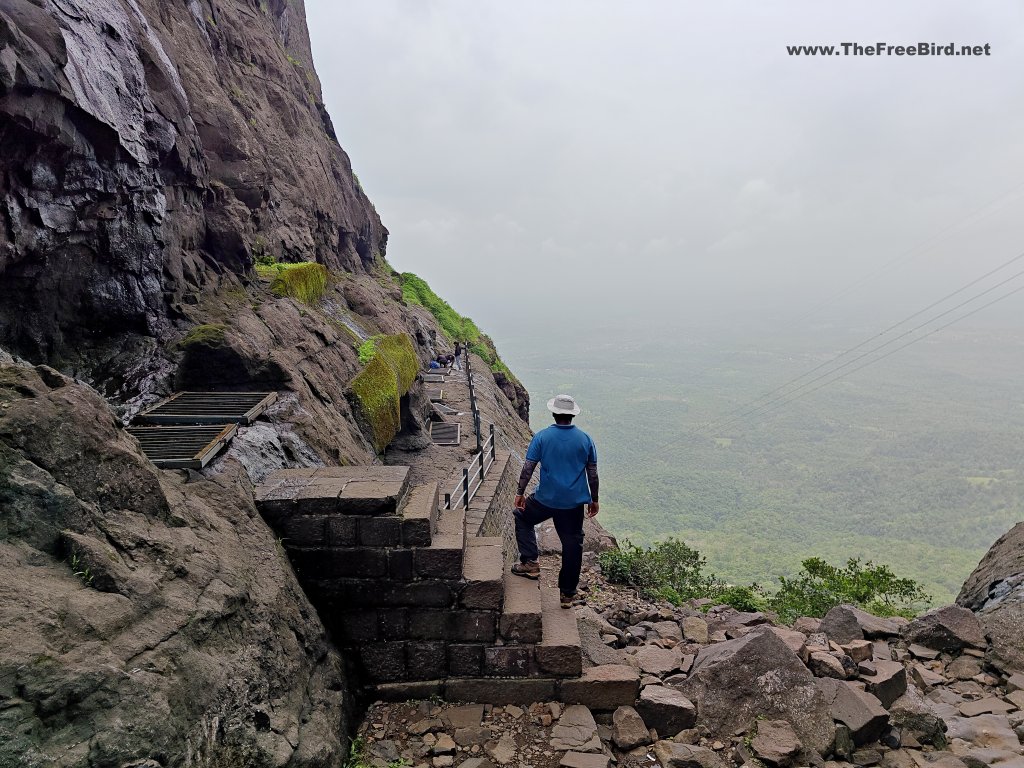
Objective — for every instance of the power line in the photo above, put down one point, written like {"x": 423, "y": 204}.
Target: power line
{"x": 904, "y": 346}
{"x": 752, "y": 411}
{"x": 911, "y": 254}
{"x": 726, "y": 417}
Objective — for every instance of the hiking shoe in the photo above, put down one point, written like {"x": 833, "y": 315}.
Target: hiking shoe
{"x": 567, "y": 600}
{"x": 527, "y": 570}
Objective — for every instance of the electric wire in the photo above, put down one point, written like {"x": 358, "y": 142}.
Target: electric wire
{"x": 749, "y": 411}
{"x": 739, "y": 410}
{"x": 897, "y": 349}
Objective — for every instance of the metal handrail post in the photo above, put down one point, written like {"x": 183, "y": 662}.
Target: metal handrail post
{"x": 447, "y": 501}
{"x": 465, "y": 487}
{"x": 494, "y": 455}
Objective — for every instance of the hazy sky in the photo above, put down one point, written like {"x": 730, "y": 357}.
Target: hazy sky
{"x": 569, "y": 162}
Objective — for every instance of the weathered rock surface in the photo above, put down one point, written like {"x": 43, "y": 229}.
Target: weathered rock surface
{"x": 734, "y": 682}
{"x": 144, "y": 615}
{"x": 995, "y": 592}
{"x": 947, "y": 629}
{"x": 666, "y": 710}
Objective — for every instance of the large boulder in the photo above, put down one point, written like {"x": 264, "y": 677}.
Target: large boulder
{"x": 146, "y": 615}
{"x": 995, "y": 592}
{"x": 947, "y": 629}
{"x": 758, "y": 675}
{"x": 846, "y": 623}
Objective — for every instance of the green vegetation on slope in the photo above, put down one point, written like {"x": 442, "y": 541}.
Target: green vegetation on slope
{"x": 671, "y": 570}
{"x": 456, "y": 327}
{"x": 208, "y": 334}
{"x": 390, "y": 371}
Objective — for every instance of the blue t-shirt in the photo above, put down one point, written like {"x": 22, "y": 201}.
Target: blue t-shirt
{"x": 563, "y": 452}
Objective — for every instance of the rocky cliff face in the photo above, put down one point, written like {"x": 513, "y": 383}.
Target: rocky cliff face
{"x": 145, "y": 614}
{"x": 995, "y": 591}
{"x": 151, "y": 150}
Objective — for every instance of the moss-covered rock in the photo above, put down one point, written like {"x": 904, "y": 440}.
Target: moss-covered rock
{"x": 305, "y": 282}
{"x": 376, "y": 391}
{"x": 208, "y": 335}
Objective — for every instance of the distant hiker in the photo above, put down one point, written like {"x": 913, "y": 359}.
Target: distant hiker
{"x": 458, "y": 354}
{"x": 567, "y": 491}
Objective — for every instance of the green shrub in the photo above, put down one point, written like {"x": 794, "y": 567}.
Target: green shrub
{"x": 456, "y": 327}
{"x": 819, "y": 587}
{"x": 305, "y": 281}
{"x": 669, "y": 570}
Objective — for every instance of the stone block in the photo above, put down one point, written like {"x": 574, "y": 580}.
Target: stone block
{"x": 383, "y": 662}
{"x": 430, "y": 594}
{"x": 605, "y": 687}
{"x": 457, "y": 626}
{"x": 888, "y": 683}
{"x": 416, "y": 532}
{"x": 400, "y": 565}
{"x": 507, "y": 660}
{"x": 393, "y": 623}
{"x": 425, "y": 660}
{"x": 332, "y": 563}
{"x": 490, "y": 691}
{"x": 341, "y": 531}
{"x": 410, "y": 690}
{"x": 520, "y": 619}
{"x": 379, "y": 531}
{"x": 356, "y": 626}
{"x": 304, "y": 531}
{"x": 666, "y": 710}
{"x": 465, "y": 659}
{"x": 439, "y": 562}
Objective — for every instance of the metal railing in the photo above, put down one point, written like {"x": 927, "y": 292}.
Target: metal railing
{"x": 473, "y": 475}
{"x": 472, "y": 403}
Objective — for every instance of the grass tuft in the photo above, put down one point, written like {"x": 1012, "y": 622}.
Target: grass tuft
{"x": 390, "y": 371}
{"x": 305, "y": 281}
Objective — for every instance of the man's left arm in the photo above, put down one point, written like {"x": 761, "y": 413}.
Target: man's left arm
{"x": 593, "y": 506}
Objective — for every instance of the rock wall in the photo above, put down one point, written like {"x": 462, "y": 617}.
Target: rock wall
{"x": 151, "y": 150}
{"x": 995, "y": 591}
{"x": 145, "y": 614}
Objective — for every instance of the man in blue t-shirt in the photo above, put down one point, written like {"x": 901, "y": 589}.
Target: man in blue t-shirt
{"x": 567, "y": 491}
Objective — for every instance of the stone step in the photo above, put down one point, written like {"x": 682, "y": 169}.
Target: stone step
{"x": 419, "y": 515}
{"x": 559, "y": 652}
{"x": 369, "y": 490}
{"x": 482, "y": 567}
{"x": 602, "y": 688}
{"x": 443, "y": 559}
{"x": 520, "y": 620}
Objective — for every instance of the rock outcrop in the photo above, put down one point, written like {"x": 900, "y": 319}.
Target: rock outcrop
{"x": 995, "y": 592}
{"x": 151, "y": 151}
{"x": 145, "y": 614}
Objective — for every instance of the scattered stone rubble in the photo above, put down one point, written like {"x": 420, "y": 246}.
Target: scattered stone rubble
{"x": 727, "y": 688}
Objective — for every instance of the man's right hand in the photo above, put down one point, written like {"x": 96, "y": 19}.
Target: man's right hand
{"x": 520, "y": 502}
{"x": 592, "y": 509}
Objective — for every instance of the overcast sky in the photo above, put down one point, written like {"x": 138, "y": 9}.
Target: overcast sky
{"x": 546, "y": 162}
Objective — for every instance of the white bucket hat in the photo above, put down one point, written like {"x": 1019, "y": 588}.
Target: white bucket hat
{"x": 564, "y": 404}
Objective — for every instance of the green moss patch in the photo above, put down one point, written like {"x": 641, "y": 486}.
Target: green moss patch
{"x": 390, "y": 371}
{"x": 207, "y": 335}
{"x": 305, "y": 281}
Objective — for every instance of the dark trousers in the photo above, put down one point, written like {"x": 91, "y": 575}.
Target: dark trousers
{"x": 568, "y": 526}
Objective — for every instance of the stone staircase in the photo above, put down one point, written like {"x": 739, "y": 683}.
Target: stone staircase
{"x": 422, "y": 606}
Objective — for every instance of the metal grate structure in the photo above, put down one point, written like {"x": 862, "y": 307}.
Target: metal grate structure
{"x": 445, "y": 433}
{"x": 208, "y": 408}
{"x": 433, "y": 378}
{"x": 436, "y": 395}
{"x": 183, "y": 447}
